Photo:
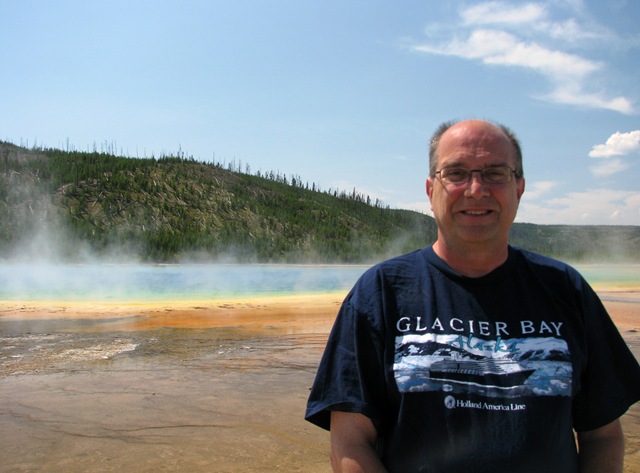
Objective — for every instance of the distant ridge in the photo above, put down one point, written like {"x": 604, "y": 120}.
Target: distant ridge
{"x": 74, "y": 206}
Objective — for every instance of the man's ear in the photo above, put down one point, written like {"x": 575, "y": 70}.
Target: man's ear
{"x": 429, "y": 186}
{"x": 520, "y": 188}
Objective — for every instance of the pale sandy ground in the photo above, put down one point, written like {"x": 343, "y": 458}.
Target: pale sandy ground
{"x": 216, "y": 387}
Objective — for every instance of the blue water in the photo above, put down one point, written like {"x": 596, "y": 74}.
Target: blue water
{"x": 125, "y": 283}
{"x": 169, "y": 282}
{"x": 611, "y": 276}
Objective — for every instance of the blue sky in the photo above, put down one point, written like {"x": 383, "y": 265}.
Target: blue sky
{"x": 342, "y": 93}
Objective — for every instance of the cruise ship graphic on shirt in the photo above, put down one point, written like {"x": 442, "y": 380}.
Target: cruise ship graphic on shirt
{"x": 485, "y": 372}
{"x": 536, "y": 366}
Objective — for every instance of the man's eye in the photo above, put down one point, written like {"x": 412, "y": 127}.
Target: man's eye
{"x": 494, "y": 173}
{"x": 456, "y": 173}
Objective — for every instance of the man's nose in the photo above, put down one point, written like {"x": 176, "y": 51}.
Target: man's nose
{"x": 476, "y": 187}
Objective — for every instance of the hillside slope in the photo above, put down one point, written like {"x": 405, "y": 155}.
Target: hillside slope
{"x": 73, "y": 205}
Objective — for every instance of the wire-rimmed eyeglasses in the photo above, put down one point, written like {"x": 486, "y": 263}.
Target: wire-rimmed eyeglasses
{"x": 489, "y": 175}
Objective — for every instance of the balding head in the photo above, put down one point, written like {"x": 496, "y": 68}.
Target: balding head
{"x": 453, "y": 125}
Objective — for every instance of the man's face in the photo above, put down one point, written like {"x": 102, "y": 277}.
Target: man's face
{"x": 474, "y": 212}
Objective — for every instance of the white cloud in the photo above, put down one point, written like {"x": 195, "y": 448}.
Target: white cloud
{"x": 519, "y": 36}
{"x": 574, "y": 96}
{"x": 536, "y": 189}
{"x": 591, "y": 207}
{"x": 533, "y": 18}
{"x": 571, "y": 31}
{"x": 502, "y": 12}
{"x": 618, "y": 144}
{"x": 608, "y": 168}
{"x": 502, "y": 48}
{"x": 555, "y": 64}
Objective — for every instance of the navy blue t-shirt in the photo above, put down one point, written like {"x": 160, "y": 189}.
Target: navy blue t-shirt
{"x": 475, "y": 374}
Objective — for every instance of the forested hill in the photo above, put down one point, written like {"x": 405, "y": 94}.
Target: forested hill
{"x": 71, "y": 206}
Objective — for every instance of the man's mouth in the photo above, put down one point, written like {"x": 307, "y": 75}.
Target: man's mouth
{"x": 476, "y": 212}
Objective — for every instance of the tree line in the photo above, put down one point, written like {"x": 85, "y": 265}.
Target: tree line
{"x": 68, "y": 204}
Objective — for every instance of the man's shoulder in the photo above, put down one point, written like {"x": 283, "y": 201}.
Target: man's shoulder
{"x": 396, "y": 269}
{"x": 543, "y": 264}
{"x": 537, "y": 258}
{"x": 397, "y": 265}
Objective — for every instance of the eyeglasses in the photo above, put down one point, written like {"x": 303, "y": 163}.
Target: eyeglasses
{"x": 490, "y": 175}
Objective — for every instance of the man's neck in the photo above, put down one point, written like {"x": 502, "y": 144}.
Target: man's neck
{"x": 472, "y": 260}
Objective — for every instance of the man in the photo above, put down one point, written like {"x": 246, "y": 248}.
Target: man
{"x": 471, "y": 355}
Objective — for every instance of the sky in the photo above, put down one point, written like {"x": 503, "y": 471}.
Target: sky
{"x": 342, "y": 93}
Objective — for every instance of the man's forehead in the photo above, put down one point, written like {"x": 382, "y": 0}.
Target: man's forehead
{"x": 474, "y": 131}
{"x": 475, "y": 135}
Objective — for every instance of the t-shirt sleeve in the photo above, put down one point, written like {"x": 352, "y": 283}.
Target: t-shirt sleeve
{"x": 350, "y": 377}
{"x": 610, "y": 382}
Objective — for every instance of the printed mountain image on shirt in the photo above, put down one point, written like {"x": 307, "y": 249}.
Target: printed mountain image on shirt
{"x": 502, "y": 367}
